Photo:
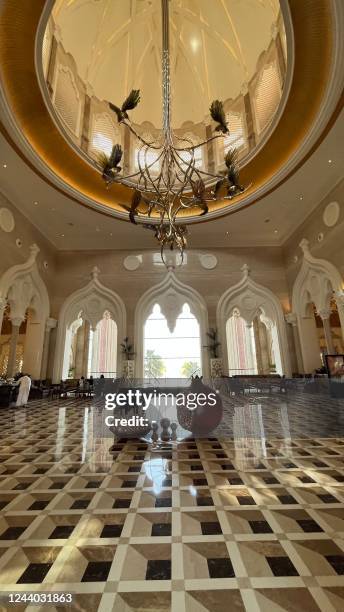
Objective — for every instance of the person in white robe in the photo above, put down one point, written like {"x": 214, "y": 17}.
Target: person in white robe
{"x": 24, "y": 383}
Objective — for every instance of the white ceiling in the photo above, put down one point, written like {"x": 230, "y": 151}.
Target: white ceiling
{"x": 91, "y": 230}
{"x": 215, "y": 45}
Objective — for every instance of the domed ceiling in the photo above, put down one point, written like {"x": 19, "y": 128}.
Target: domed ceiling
{"x": 215, "y": 46}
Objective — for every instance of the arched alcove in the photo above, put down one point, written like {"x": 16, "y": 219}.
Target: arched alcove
{"x": 92, "y": 301}
{"x": 320, "y": 283}
{"x": 171, "y": 295}
{"x": 24, "y": 292}
{"x": 253, "y": 300}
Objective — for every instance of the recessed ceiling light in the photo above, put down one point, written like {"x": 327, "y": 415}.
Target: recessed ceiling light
{"x": 301, "y": 197}
{"x": 4, "y": 166}
{"x": 227, "y": 233}
{"x": 97, "y": 229}
{"x": 61, "y": 235}
{"x": 330, "y": 161}
{"x": 276, "y": 231}
{"x": 36, "y": 203}
{"x": 110, "y": 233}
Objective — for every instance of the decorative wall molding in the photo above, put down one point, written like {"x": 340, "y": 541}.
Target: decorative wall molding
{"x": 92, "y": 300}
{"x": 316, "y": 282}
{"x": 7, "y": 223}
{"x": 171, "y": 295}
{"x": 22, "y": 287}
{"x": 252, "y": 299}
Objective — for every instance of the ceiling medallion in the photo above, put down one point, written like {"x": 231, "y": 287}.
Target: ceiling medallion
{"x": 180, "y": 184}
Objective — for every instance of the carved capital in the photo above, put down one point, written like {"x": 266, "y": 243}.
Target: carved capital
{"x": 3, "y": 302}
{"x": 50, "y": 324}
{"x": 16, "y": 321}
{"x": 339, "y": 297}
{"x": 324, "y": 313}
{"x": 291, "y": 318}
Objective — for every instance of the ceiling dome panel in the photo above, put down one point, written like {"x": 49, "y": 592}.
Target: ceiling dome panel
{"x": 215, "y": 49}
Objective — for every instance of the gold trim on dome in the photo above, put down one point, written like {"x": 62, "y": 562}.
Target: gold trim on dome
{"x": 313, "y": 53}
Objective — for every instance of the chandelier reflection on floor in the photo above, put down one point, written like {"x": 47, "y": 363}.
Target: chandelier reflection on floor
{"x": 180, "y": 185}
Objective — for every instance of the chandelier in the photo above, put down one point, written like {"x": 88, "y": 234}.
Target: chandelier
{"x": 160, "y": 198}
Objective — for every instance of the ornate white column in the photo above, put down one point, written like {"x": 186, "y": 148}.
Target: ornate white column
{"x": 87, "y": 331}
{"x": 291, "y": 318}
{"x": 50, "y": 324}
{"x": 3, "y": 303}
{"x": 325, "y": 314}
{"x": 16, "y": 323}
{"x": 339, "y": 297}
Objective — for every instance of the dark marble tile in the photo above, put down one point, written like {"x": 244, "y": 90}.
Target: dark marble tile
{"x": 200, "y": 482}
{"x": 40, "y": 471}
{"x": 227, "y": 466}
{"x": 196, "y": 468}
{"x": 281, "y": 566}
{"x": 80, "y": 504}
{"x": 287, "y": 499}
{"x": 260, "y": 527}
{"x": 167, "y": 482}
{"x": 58, "y": 485}
{"x": 21, "y": 486}
{"x": 121, "y": 503}
{"x": 93, "y": 484}
{"x": 306, "y": 479}
{"x": 270, "y": 480}
{"x": 34, "y": 573}
{"x": 129, "y": 484}
{"x": 62, "y": 531}
{"x": 245, "y": 500}
{"x": 309, "y": 526}
{"x": 134, "y": 468}
{"x": 235, "y": 481}
{"x": 96, "y": 571}
{"x": 111, "y": 531}
{"x": 337, "y": 562}
{"x": 327, "y": 498}
{"x": 204, "y": 501}
{"x": 220, "y": 568}
{"x": 12, "y": 533}
{"x": 161, "y": 529}
{"x": 211, "y": 528}
{"x": 39, "y": 504}
{"x": 158, "y": 569}
{"x": 163, "y": 502}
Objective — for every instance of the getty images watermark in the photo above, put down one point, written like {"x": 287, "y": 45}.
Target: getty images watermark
{"x": 121, "y": 406}
{"x": 136, "y": 398}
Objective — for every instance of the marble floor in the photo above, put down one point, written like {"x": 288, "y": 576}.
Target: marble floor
{"x": 249, "y": 519}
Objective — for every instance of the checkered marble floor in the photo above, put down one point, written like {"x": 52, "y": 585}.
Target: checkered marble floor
{"x": 253, "y": 520}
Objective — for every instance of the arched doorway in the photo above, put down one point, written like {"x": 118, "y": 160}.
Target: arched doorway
{"x": 262, "y": 329}
{"x": 252, "y": 346}
{"x": 91, "y": 352}
{"x": 171, "y": 296}
{"x": 171, "y": 354}
{"x": 99, "y": 309}
{"x": 317, "y": 305}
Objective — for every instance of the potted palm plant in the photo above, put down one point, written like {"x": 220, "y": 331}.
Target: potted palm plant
{"x": 128, "y": 363}
{"x": 213, "y": 348}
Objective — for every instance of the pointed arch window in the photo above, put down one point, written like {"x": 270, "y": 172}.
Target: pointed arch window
{"x": 171, "y": 354}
